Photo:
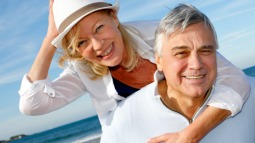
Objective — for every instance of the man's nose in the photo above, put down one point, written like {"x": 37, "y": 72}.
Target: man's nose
{"x": 195, "y": 62}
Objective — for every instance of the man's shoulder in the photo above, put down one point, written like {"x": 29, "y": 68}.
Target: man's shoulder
{"x": 139, "y": 97}
{"x": 148, "y": 90}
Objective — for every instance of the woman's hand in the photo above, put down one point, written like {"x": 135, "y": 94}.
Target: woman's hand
{"x": 52, "y": 30}
{"x": 178, "y": 137}
{"x": 41, "y": 65}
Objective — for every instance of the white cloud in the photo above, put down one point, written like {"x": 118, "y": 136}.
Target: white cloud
{"x": 240, "y": 37}
{"x": 139, "y": 10}
{"x": 18, "y": 41}
{"x": 11, "y": 77}
{"x": 20, "y": 15}
{"x": 233, "y": 5}
{"x": 250, "y": 10}
{"x": 14, "y": 67}
{"x": 208, "y": 3}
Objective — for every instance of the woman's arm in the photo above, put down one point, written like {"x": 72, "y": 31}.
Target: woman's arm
{"x": 44, "y": 96}
{"x": 208, "y": 120}
{"x": 231, "y": 87}
{"x": 41, "y": 65}
{"x": 38, "y": 95}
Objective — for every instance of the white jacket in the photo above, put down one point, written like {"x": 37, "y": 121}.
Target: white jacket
{"x": 44, "y": 96}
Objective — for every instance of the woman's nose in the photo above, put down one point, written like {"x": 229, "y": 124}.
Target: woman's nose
{"x": 97, "y": 43}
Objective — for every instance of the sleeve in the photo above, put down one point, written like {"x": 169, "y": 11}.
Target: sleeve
{"x": 231, "y": 87}
{"x": 44, "y": 96}
{"x": 146, "y": 29}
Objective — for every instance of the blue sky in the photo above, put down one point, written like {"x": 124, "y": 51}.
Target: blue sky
{"x": 24, "y": 25}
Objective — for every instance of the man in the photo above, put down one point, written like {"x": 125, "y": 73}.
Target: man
{"x": 185, "y": 48}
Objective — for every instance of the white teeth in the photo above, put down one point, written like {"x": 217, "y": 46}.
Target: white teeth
{"x": 194, "y": 77}
{"x": 107, "y": 51}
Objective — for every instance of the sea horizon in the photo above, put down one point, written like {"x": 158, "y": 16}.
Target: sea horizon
{"x": 86, "y": 130}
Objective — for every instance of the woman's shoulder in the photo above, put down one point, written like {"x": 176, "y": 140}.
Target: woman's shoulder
{"x": 142, "y": 24}
{"x": 145, "y": 28}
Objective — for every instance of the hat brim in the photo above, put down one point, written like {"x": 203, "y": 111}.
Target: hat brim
{"x": 57, "y": 42}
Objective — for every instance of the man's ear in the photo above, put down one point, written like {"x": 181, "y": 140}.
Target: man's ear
{"x": 159, "y": 62}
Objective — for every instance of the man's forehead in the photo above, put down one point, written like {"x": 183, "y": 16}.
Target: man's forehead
{"x": 191, "y": 38}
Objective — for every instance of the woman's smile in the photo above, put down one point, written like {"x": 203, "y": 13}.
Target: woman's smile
{"x": 107, "y": 53}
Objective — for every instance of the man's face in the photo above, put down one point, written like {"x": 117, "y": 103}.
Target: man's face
{"x": 189, "y": 61}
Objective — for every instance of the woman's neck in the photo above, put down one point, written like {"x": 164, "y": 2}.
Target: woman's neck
{"x": 139, "y": 77}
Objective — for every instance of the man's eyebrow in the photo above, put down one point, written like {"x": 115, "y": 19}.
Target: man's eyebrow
{"x": 179, "y": 48}
{"x": 207, "y": 47}
{"x": 185, "y": 47}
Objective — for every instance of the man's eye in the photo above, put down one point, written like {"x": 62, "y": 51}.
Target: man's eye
{"x": 98, "y": 28}
{"x": 206, "y": 51}
{"x": 180, "y": 53}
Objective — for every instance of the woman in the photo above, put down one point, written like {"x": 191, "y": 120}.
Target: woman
{"x": 110, "y": 61}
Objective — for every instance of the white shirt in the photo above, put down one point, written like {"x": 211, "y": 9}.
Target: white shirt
{"x": 44, "y": 96}
{"x": 143, "y": 116}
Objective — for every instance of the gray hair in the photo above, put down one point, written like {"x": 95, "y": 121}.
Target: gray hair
{"x": 180, "y": 18}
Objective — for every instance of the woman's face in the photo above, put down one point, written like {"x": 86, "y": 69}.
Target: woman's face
{"x": 100, "y": 40}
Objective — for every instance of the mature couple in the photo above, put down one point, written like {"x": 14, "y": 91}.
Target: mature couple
{"x": 181, "y": 89}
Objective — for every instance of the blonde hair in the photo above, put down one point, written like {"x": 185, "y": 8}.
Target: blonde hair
{"x": 95, "y": 70}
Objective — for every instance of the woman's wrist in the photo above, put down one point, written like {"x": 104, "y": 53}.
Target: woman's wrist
{"x": 47, "y": 43}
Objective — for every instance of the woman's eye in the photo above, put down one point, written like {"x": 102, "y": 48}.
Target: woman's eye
{"x": 80, "y": 43}
{"x": 98, "y": 28}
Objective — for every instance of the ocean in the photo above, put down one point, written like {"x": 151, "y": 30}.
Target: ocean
{"x": 84, "y": 131}
{"x": 250, "y": 71}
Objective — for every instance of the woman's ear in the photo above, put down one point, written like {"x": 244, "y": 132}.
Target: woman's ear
{"x": 158, "y": 62}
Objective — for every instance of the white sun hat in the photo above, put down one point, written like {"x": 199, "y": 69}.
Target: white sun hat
{"x": 67, "y": 13}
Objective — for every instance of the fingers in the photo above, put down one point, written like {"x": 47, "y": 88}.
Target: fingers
{"x": 51, "y": 9}
{"x": 159, "y": 139}
{"x": 52, "y": 30}
{"x": 50, "y": 5}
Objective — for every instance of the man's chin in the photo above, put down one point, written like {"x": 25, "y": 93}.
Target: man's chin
{"x": 194, "y": 92}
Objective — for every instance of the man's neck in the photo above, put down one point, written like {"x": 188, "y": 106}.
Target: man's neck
{"x": 178, "y": 102}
